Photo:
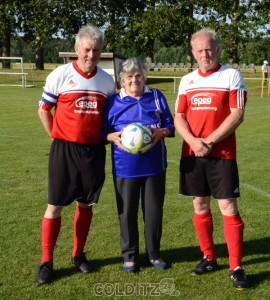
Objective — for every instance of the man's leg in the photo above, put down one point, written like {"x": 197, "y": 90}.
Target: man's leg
{"x": 82, "y": 221}
{"x": 51, "y": 224}
{"x": 203, "y": 224}
{"x": 233, "y": 227}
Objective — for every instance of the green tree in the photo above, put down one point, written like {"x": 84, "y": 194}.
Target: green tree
{"x": 161, "y": 21}
{"x": 119, "y": 26}
{"x": 41, "y": 21}
{"x": 7, "y": 27}
{"x": 134, "y": 27}
{"x": 38, "y": 23}
{"x": 237, "y": 22}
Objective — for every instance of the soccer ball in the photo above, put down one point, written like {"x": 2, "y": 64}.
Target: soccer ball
{"x": 136, "y": 138}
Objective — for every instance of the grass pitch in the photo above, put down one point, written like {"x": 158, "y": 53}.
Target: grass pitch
{"x": 23, "y": 181}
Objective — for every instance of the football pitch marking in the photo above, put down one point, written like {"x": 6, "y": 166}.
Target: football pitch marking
{"x": 258, "y": 191}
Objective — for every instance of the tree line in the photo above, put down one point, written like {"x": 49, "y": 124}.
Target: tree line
{"x": 151, "y": 29}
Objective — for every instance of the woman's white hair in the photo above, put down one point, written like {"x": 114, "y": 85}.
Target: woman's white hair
{"x": 131, "y": 65}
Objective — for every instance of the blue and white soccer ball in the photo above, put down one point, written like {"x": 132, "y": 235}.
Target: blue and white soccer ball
{"x": 136, "y": 138}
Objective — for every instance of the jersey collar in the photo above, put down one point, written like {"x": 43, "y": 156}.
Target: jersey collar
{"x": 123, "y": 93}
{"x": 209, "y": 72}
{"x": 85, "y": 75}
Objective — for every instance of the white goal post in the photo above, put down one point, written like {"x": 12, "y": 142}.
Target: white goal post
{"x": 22, "y": 73}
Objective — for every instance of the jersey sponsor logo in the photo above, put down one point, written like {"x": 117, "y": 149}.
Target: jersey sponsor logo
{"x": 86, "y": 102}
{"x": 86, "y": 105}
{"x": 202, "y": 99}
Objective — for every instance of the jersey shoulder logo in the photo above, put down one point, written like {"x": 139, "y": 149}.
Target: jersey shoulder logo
{"x": 71, "y": 82}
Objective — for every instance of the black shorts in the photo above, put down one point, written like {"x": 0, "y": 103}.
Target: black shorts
{"x": 206, "y": 176}
{"x": 76, "y": 172}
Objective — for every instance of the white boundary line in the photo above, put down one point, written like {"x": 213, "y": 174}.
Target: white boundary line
{"x": 256, "y": 190}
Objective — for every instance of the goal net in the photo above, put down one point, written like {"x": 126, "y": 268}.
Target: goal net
{"x": 13, "y": 78}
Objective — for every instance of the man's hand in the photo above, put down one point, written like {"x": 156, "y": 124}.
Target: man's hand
{"x": 201, "y": 147}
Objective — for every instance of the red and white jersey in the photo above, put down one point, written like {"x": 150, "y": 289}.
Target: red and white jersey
{"x": 206, "y": 99}
{"x": 79, "y": 100}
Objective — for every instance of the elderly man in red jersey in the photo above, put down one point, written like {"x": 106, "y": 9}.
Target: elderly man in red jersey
{"x": 209, "y": 108}
{"x": 77, "y": 92}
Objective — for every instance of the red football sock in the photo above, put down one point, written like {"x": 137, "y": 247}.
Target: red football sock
{"x": 50, "y": 229}
{"x": 233, "y": 233}
{"x": 203, "y": 224}
{"x": 82, "y": 222}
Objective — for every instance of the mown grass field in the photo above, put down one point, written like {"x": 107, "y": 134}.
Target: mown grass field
{"x": 23, "y": 184}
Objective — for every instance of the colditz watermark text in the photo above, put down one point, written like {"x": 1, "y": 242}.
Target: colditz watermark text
{"x": 166, "y": 286}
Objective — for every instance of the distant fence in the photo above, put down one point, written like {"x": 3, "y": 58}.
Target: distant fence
{"x": 176, "y": 78}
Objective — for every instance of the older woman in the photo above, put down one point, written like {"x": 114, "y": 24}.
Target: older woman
{"x": 139, "y": 176}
